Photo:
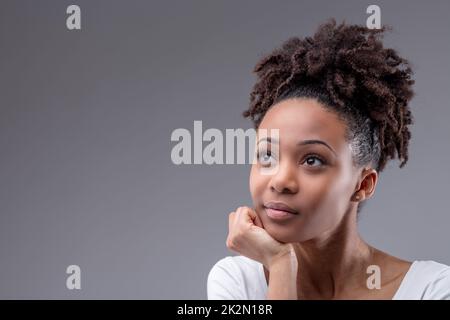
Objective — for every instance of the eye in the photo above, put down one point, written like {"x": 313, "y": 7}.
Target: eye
{"x": 265, "y": 157}
{"x": 311, "y": 159}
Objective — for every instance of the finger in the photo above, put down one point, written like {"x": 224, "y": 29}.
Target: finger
{"x": 252, "y": 217}
{"x": 249, "y": 215}
{"x": 255, "y": 217}
{"x": 258, "y": 221}
{"x": 236, "y": 218}
{"x": 238, "y": 214}
{"x": 231, "y": 219}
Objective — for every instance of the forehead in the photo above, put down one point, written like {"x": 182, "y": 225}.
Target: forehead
{"x": 302, "y": 119}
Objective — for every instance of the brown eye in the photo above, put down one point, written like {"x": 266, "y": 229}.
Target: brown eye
{"x": 265, "y": 158}
{"x": 311, "y": 160}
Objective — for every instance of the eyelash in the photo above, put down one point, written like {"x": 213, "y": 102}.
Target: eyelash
{"x": 314, "y": 156}
{"x": 309, "y": 156}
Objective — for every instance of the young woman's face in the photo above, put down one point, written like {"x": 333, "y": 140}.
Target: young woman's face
{"x": 317, "y": 180}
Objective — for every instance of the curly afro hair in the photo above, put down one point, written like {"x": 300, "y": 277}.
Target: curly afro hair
{"x": 347, "y": 69}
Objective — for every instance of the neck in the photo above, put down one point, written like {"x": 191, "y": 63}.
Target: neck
{"x": 335, "y": 262}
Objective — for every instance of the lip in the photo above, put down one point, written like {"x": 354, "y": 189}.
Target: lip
{"x": 280, "y": 206}
{"x": 279, "y": 211}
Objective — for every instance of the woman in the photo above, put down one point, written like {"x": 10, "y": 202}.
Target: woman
{"x": 340, "y": 103}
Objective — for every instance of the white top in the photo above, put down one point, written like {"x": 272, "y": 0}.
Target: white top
{"x": 241, "y": 278}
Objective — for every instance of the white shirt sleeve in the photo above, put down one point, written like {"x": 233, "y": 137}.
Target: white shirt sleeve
{"x": 425, "y": 280}
{"x": 439, "y": 288}
{"x": 225, "y": 281}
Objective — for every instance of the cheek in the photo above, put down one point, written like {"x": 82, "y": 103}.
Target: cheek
{"x": 341, "y": 190}
{"x": 331, "y": 198}
{"x": 317, "y": 191}
{"x": 327, "y": 203}
{"x": 256, "y": 183}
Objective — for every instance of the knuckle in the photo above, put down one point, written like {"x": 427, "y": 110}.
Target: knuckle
{"x": 230, "y": 244}
{"x": 240, "y": 233}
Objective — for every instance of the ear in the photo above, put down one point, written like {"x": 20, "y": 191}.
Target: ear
{"x": 366, "y": 185}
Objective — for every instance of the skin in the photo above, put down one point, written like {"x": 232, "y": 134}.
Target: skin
{"x": 328, "y": 258}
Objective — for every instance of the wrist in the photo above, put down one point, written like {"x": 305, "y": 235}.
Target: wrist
{"x": 284, "y": 254}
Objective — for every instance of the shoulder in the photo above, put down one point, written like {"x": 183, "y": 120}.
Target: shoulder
{"x": 427, "y": 280}
{"x": 234, "y": 277}
{"x": 437, "y": 277}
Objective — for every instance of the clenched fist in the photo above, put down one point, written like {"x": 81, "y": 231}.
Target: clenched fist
{"x": 247, "y": 236}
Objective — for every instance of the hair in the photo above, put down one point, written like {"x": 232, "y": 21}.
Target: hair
{"x": 346, "y": 69}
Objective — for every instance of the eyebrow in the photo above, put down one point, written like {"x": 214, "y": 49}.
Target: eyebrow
{"x": 300, "y": 143}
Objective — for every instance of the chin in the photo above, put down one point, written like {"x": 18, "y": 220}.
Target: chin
{"x": 284, "y": 236}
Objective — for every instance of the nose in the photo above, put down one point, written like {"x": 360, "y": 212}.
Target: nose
{"x": 284, "y": 180}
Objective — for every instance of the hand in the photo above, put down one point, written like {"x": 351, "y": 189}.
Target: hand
{"x": 247, "y": 236}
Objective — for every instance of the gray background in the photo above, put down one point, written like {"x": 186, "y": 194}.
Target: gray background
{"x": 85, "y": 124}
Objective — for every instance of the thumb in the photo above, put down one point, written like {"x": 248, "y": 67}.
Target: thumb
{"x": 255, "y": 218}
{"x": 258, "y": 221}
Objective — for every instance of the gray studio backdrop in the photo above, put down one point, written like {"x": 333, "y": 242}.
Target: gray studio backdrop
{"x": 86, "y": 118}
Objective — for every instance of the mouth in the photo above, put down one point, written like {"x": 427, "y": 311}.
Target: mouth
{"x": 279, "y": 210}
{"x": 280, "y": 206}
